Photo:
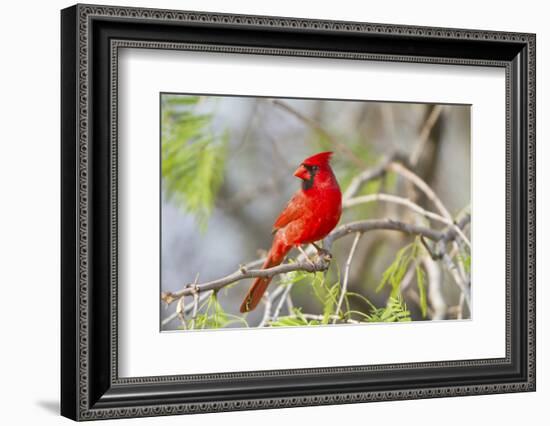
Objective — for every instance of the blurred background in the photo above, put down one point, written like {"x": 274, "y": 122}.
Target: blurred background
{"x": 227, "y": 172}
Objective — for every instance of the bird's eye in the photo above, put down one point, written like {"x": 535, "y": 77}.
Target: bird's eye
{"x": 315, "y": 168}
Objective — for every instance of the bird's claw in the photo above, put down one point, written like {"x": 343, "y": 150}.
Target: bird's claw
{"x": 306, "y": 258}
{"x": 323, "y": 253}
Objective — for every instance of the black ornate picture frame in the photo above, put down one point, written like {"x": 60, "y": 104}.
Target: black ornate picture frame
{"x": 91, "y": 387}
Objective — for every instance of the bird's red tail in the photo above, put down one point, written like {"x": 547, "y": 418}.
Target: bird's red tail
{"x": 275, "y": 256}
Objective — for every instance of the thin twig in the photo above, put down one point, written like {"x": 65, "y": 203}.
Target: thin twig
{"x": 282, "y": 300}
{"x": 288, "y": 288}
{"x": 188, "y": 308}
{"x": 267, "y": 311}
{"x": 425, "y": 133}
{"x": 382, "y": 224}
{"x": 319, "y": 129}
{"x": 401, "y": 170}
{"x": 241, "y": 274}
{"x": 451, "y": 267}
{"x": 460, "y": 310}
{"x": 434, "y": 288}
{"x": 366, "y": 176}
{"x": 289, "y": 303}
{"x": 195, "y": 308}
{"x": 408, "y": 203}
{"x": 347, "y": 267}
{"x": 180, "y": 312}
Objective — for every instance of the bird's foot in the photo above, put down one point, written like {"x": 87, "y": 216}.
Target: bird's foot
{"x": 323, "y": 253}
{"x": 306, "y": 257}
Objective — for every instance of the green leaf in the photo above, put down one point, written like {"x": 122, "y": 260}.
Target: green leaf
{"x": 193, "y": 156}
{"x": 212, "y": 315}
{"x": 421, "y": 282}
{"x": 296, "y": 319}
{"x": 465, "y": 260}
{"x": 361, "y": 297}
{"x": 286, "y": 322}
{"x": 330, "y": 303}
{"x": 395, "y": 311}
{"x": 397, "y": 269}
{"x": 467, "y": 263}
{"x": 293, "y": 277}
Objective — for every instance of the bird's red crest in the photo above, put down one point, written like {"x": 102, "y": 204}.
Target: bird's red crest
{"x": 319, "y": 159}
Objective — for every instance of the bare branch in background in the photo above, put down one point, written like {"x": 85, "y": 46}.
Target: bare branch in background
{"x": 425, "y": 134}
{"x": 187, "y": 309}
{"x": 347, "y": 267}
{"x": 451, "y": 267}
{"x": 180, "y": 312}
{"x": 435, "y": 280}
{"x": 282, "y": 300}
{"x": 195, "y": 309}
{"x": 267, "y": 311}
{"x": 401, "y": 170}
{"x": 319, "y": 129}
{"x": 366, "y": 176}
{"x": 408, "y": 203}
{"x": 382, "y": 224}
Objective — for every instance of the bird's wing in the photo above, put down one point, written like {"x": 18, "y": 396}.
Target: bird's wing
{"x": 294, "y": 209}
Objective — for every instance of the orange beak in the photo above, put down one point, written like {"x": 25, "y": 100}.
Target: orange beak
{"x": 302, "y": 173}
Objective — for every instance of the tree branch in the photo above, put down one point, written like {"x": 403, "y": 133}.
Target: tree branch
{"x": 195, "y": 307}
{"x": 435, "y": 295}
{"x": 281, "y": 302}
{"x": 366, "y": 176}
{"x": 381, "y": 224}
{"x": 425, "y": 133}
{"x": 321, "y": 264}
{"x": 243, "y": 273}
{"x": 401, "y": 170}
{"x": 187, "y": 309}
{"x": 408, "y": 203}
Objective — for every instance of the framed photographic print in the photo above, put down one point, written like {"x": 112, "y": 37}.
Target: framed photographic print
{"x": 263, "y": 212}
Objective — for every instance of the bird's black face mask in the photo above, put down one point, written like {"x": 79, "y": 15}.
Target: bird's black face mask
{"x": 312, "y": 171}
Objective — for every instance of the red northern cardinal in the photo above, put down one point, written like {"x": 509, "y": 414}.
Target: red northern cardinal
{"x": 310, "y": 215}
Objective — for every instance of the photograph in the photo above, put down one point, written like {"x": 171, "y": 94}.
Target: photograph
{"x": 294, "y": 212}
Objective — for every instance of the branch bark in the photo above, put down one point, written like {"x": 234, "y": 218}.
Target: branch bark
{"x": 408, "y": 203}
{"x": 321, "y": 264}
{"x": 243, "y": 273}
{"x": 401, "y": 170}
